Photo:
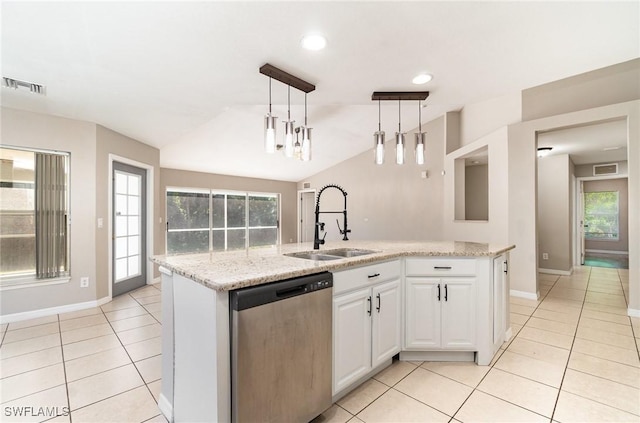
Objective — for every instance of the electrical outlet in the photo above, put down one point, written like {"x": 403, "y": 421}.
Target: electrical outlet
{"x": 545, "y": 256}
{"x": 84, "y": 282}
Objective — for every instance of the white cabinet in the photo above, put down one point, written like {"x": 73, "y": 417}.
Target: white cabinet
{"x": 367, "y": 320}
{"x": 440, "y": 304}
{"x": 500, "y": 299}
{"x": 440, "y": 313}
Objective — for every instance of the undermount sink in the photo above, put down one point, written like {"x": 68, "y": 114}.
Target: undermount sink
{"x": 336, "y": 254}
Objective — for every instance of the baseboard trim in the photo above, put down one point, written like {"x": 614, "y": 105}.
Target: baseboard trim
{"x": 556, "y": 272}
{"x": 623, "y": 253}
{"x": 155, "y": 281}
{"x": 166, "y": 408}
{"x": 34, "y": 314}
{"x": 633, "y": 312}
{"x": 525, "y": 295}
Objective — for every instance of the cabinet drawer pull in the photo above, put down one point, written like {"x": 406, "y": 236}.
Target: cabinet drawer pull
{"x": 438, "y": 292}
{"x": 378, "y": 307}
{"x": 375, "y": 275}
{"x": 445, "y": 292}
{"x": 442, "y": 267}
{"x": 369, "y": 309}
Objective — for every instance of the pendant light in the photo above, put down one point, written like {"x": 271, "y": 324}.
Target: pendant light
{"x": 420, "y": 137}
{"x": 378, "y": 142}
{"x": 378, "y": 136}
{"x": 288, "y": 127}
{"x": 299, "y": 149}
{"x": 306, "y": 136}
{"x": 270, "y": 128}
{"x": 400, "y": 140}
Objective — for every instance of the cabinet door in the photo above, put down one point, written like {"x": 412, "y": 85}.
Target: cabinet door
{"x": 423, "y": 313}
{"x": 387, "y": 321}
{"x": 351, "y": 337}
{"x": 458, "y": 313}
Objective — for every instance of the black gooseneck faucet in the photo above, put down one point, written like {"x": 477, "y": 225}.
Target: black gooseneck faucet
{"x": 320, "y": 226}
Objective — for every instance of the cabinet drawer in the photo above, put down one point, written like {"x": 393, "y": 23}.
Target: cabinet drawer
{"x": 347, "y": 280}
{"x": 440, "y": 267}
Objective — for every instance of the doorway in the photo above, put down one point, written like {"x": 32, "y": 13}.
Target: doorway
{"x": 604, "y": 236}
{"x": 129, "y": 233}
{"x": 306, "y": 215}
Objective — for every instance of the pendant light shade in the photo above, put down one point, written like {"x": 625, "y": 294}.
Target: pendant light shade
{"x": 378, "y": 142}
{"x": 420, "y": 148}
{"x": 306, "y": 144}
{"x": 288, "y": 127}
{"x": 400, "y": 140}
{"x": 420, "y": 136}
{"x": 400, "y": 143}
{"x": 270, "y": 128}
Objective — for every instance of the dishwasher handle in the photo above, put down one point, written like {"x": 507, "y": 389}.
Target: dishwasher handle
{"x": 291, "y": 291}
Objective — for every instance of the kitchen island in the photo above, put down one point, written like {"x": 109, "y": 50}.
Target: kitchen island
{"x": 196, "y": 379}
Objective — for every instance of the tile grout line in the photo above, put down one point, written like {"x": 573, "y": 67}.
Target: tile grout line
{"x": 64, "y": 370}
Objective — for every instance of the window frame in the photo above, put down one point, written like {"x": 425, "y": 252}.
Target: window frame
{"x": 226, "y": 228}
{"x": 617, "y": 215}
{"x": 28, "y": 280}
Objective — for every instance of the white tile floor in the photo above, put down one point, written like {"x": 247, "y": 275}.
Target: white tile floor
{"x": 574, "y": 357}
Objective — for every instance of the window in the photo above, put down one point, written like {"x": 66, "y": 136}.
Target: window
{"x": 601, "y": 210}
{"x": 200, "y": 221}
{"x": 34, "y": 214}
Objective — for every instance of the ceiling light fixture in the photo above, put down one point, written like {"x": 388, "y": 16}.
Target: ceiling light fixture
{"x": 313, "y": 42}
{"x": 378, "y": 142}
{"x": 544, "y": 151}
{"x": 400, "y": 136}
{"x": 17, "y": 84}
{"x": 420, "y": 137}
{"x": 423, "y": 78}
{"x": 291, "y": 149}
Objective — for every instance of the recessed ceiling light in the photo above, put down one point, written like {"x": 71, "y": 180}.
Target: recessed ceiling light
{"x": 423, "y": 78}
{"x": 313, "y": 42}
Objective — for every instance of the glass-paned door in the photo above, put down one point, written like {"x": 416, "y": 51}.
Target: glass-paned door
{"x": 129, "y": 228}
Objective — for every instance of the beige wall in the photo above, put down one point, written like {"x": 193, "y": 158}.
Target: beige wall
{"x": 554, "y": 212}
{"x": 586, "y": 170}
{"x": 111, "y": 146}
{"x": 188, "y": 179}
{"x": 33, "y": 130}
{"x": 476, "y": 192}
{"x": 620, "y": 185}
{"x": 611, "y": 85}
{"x": 522, "y": 191}
{"x": 389, "y": 201}
{"x": 482, "y": 118}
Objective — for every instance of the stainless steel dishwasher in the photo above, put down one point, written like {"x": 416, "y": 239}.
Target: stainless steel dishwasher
{"x": 281, "y": 351}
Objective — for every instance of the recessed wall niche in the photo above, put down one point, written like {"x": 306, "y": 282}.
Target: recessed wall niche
{"x": 472, "y": 185}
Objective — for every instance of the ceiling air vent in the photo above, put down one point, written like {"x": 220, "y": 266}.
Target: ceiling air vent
{"x": 23, "y": 85}
{"x": 605, "y": 169}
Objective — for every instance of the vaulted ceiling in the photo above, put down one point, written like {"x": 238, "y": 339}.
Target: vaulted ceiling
{"x": 183, "y": 76}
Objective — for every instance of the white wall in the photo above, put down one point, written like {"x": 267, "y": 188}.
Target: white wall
{"x": 495, "y": 230}
{"x": 482, "y": 118}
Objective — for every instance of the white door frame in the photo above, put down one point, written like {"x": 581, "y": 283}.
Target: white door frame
{"x": 578, "y": 234}
{"x": 299, "y": 223}
{"x": 150, "y": 214}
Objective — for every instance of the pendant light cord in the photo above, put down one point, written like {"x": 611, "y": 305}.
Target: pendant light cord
{"x": 399, "y": 130}
{"x": 269, "y": 96}
{"x": 289, "y": 103}
{"x": 379, "y": 130}
{"x": 305, "y": 110}
{"x": 420, "y": 116}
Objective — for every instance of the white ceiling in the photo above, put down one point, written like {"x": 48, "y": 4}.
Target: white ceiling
{"x": 601, "y": 142}
{"x": 183, "y": 76}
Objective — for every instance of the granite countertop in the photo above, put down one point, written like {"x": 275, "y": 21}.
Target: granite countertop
{"x": 226, "y": 271}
